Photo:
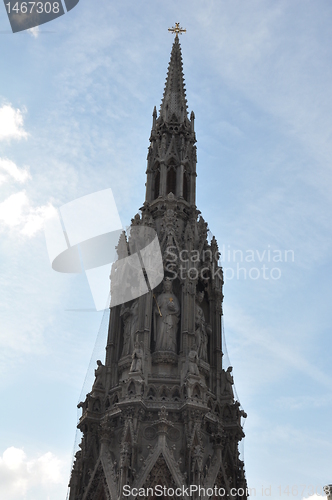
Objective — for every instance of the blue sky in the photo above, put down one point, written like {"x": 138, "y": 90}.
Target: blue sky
{"x": 76, "y": 99}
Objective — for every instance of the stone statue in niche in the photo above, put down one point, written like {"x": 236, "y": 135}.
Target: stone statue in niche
{"x": 100, "y": 375}
{"x": 192, "y": 362}
{"x": 227, "y": 382}
{"x": 166, "y": 315}
{"x": 137, "y": 357}
{"x": 202, "y": 329}
{"x": 130, "y": 322}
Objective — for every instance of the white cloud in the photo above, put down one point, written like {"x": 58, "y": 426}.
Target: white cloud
{"x": 34, "y": 31}
{"x": 11, "y": 210}
{"x": 18, "y": 474}
{"x": 314, "y": 497}
{"x": 11, "y": 123}
{"x": 16, "y": 212}
{"x": 9, "y": 169}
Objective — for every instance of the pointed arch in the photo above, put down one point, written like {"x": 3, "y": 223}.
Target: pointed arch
{"x": 151, "y": 394}
{"x": 156, "y": 187}
{"x": 131, "y": 388}
{"x": 217, "y": 409}
{"x": 221, "y": 485}
{"x": 97, "y": 487}
{"x": 171, "y": 180}
{"x": 96, "y": 406}
{"x": 176, "y": 394}
{"x": 196, "y": 392}
{"x": 160, "y": 474}
{"x": 164, "y": 393}
{"x": 185, "y": 186}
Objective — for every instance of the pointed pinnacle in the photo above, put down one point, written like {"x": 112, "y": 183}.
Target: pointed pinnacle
{"x": 174, "y": 97}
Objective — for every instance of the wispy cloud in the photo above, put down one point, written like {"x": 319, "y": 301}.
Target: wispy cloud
{"x": 34, "y": 31}
{"x": 9, "y": 170}
{"x": 16, "y": 212}
{"x": 11, "y": 123}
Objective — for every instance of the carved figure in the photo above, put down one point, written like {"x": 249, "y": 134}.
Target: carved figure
{"x": 166, "y": 319}
{"x": 137, "y": 357}
{"x": 201, "y": 328}
{"x": 130, "y": 321}
{"x": 192, "y": 363}
{"x": 227, "y": 382}
{"x": 100, "y": 375}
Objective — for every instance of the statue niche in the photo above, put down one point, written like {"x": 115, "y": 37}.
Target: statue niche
{"x": 130, "y": 322}
{"x": 202, "y": 329}
{"x": 166, "y": 314}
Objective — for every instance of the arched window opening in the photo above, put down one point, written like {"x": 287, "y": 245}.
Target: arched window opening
{"x": 185, "y": 186}
{"x": 156, "y": 184}
{"x": 176, "y": 395}
{"x": 151, "y": 394}
{"x": 171, "y": 181}
{"x": 196, "y": 392}
{"x": 163, "y": 394}
{"x": 131, "y": 389}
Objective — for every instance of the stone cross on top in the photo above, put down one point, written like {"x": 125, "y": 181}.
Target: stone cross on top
{"x": 177, "y": 30}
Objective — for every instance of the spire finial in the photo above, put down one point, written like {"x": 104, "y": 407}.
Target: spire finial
{"x": 177, "y": 30}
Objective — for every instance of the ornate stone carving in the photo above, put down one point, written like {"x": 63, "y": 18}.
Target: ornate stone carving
{"x": 166, "y": 318}
{"x": 169, "y": 229}
{"x": 99, "y": 376}
{"x": 160, "y": 474}
{"x": 129, "y": 315}
{"x": 137, "y": 359}
{"x": 192, "y": 363}
{"x": 202, "y": 233}
{"x": 168, "y": 357}
{"x": 202, "y": 329}
{"x": 150, "y": 433}
{"x": 227, "y": 382}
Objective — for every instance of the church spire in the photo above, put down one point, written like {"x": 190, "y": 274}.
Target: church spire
{"x": 174, "y": 103}
{"x": 172, "y": 152}
{"x": 161, "y": 411}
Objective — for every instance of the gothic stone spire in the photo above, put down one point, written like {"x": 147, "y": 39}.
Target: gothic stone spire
{"x": 172, "y": 152}
{"x": 174, "y": 103}
{"x": 161, "y": 410}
